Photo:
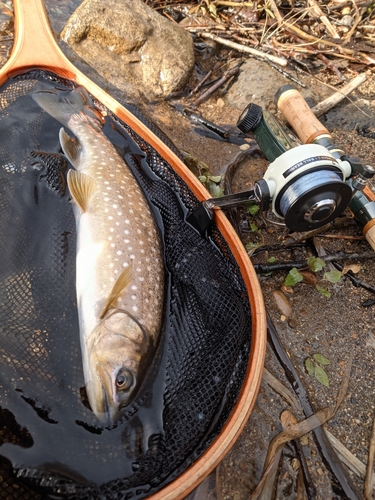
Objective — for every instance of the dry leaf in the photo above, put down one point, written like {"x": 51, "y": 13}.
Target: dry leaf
{"x": 354, "y": 268}
{"x": 309, "y": 278}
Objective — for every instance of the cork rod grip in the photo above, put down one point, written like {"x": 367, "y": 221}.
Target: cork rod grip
{"x": 295, "y": 109}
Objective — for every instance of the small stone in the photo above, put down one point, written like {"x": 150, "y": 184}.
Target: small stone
{"x": 282, "y": 303}
{"x": 292, "y": 323}
{"x": 220, "y": 103}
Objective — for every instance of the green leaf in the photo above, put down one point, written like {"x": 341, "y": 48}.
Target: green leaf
{"x": 271, "y": 260}
{"x": 293, "y": 277}
{"x": 252, "y": 245}
{"x": 253, "y": 209}
{"x": 202, "y": 178}
{"x": 215, "y": 178}
{"x": 323, "y": 291}
{"x": 310, "y": 366}
{"x": 321, "y": 376}
{"x": 315, "y": 264}
{"x": 333, "y": 276}
{"x": 322, "y": 360}
{"x": 214, "y": 189}
{"x": 254, "y": 227}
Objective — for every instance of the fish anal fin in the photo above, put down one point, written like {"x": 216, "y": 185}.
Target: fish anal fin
{"x": 71, "y": 147}
{"x": 81, "y": 188}
{"x": 122, "y": 282}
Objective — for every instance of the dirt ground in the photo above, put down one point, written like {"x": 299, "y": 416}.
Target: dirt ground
{"x": 336, "y": 327}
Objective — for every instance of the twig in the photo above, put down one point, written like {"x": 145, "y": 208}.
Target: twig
{"x": 320, "y": 14}
{"x": 286, "y": 266}
{"x": 369, "y": 480}
{"x": 355, "y": 281}
{"x": 349, "y": 35}
{"x": 285, "y": 393}
{"x": 228, "y": 74}
{"x": 306, "y": 477}
{"x": 337, "y": 47}
{"x": 350, "y": 460}
{"x": 338, "y": 96}
{"x": 341, "y": 237}
{"x": 245, "y": 49}
{"x": 276, "y": 11}
{"x": 280, "y": 388}
{"x": 330, "y": 65}
{"x": 286, "y": 74}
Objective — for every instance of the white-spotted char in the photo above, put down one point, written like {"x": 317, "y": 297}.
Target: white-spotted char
{"x": 119, "y": 275}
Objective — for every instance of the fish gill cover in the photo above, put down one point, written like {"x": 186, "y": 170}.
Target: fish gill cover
{"x": 50, "y": 441}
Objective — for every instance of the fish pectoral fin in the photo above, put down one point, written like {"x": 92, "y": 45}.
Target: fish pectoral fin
{"x": 81, "y": 187}
{"x": 122, "y": 282}
{"x": 71, "y": 148}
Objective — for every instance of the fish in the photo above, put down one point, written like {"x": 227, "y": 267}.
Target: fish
{"x": 119, "y": 257}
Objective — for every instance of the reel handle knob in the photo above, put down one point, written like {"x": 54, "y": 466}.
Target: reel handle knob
{"x": 298, "y": 114}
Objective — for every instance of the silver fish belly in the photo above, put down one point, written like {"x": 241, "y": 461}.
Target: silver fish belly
{"x": 119, "y": 267}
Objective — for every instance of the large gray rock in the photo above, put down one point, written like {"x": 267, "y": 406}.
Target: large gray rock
{"x": 132, "y": 46}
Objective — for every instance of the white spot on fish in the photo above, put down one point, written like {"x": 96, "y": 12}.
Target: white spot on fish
{"x": 133, "y": 297}
{"x": 135, "y": 308}
{"x": 111, "y": 229}
{"x": 119, "y": 252}
{"x": 126, "y": 231}
{"x": 110, "y": 217}
{"x": 127, "y": 221}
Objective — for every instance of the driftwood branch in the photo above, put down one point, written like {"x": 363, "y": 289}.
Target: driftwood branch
{"x": 338, "y": 96}
{"x": 245, "y": 49}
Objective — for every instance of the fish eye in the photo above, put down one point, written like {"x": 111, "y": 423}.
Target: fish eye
{"x": 124, "y": 380}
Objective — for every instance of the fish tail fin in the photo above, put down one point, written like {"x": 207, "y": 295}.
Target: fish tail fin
{"x": 62, "y": 105}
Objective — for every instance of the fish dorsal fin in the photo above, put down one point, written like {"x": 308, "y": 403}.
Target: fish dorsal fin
{"x": 72, "y": 148}
{"x": 122, "y": 282}
{"x": 81, "y": 187}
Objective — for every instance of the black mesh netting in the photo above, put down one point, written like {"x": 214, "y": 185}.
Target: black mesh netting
{"x": 51, "y": 444}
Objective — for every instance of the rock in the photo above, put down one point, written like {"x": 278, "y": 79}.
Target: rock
{"x": 258, "y": 83}
{"x": 132, "y": 46}
{"x": 282, "y": 303}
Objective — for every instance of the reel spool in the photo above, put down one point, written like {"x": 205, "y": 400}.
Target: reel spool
{"x": 307, "y": 188}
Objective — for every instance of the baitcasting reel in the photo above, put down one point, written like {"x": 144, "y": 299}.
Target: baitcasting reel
{"x": 306, "y": 185}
